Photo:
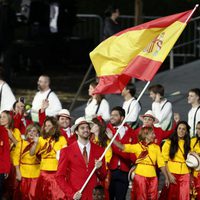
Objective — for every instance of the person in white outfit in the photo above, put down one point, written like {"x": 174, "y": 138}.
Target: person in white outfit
{"x": 45, "y": 94}
{"x": 161, "y": 107}
{"x": 97, "y": 105}
{"x": 130, "y": 105}
{"x": 7, "y": 98}
{"x": 194, "y": 112}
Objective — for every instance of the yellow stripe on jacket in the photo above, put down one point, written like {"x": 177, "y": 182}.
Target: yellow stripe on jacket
{"x": 48, "y": 158}
{"x": 29, "y": 165}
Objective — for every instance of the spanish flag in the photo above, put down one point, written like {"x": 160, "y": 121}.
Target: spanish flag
{"x": 136, "y": 52}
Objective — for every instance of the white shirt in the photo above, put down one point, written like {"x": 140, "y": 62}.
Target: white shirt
{"x": 88, "y": 147}
{"x": 7, "y": 97}
{"x": 54, "y": 104}
{"x": 131, "y": 109}
{"x": 191, "y": 114}
{"x": 104, "y": 109}
{"x": 122, "y": 131}
{"x": 67, "y": 131}
{"x": 163, "y": 112}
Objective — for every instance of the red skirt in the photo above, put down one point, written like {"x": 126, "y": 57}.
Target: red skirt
{"x": 178, "y": 191}
{"x": 47, "y": 187}
{"x": 144, "y": 188}
{"x": 27, "y": 188}
{"x": 197, "y": 185}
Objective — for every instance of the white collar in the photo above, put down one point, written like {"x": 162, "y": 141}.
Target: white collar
{"x": 81, "y": 146}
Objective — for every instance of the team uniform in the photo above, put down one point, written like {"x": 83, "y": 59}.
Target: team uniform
{"x": 179, "y": 169}
{"x": 145, "y": 183}
{"x": 47, "y": 187}
{"x": 29, "y": 167}
{"x": 73, "y": 171}
{"x": 195, "y": 147}
{"x": 5, "y": 164}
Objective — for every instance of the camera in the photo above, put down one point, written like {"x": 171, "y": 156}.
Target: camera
{"x": 22, "y": 99}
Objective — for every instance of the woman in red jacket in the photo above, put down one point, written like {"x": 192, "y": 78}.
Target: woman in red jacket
{"x": 4, "y": 157}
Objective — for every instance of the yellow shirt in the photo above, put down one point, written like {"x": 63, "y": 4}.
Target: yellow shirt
{"x": 48, "y": 149}
{"x": 195, "y": 149}
{"x": 147, "y": 165}
{"x": 177, "y": 165}
{"x": 108, "y": 154}
{"x": 17, "y": 135}
{"x": 29, "y": 165}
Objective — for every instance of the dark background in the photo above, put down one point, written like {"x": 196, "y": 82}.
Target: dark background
{"x": 150, "y": 7}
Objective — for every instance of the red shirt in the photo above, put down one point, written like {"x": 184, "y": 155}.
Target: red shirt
{"x": 121, "y": 160}
{"x": 4, "y": 151}
{"x": 19, "y": 124}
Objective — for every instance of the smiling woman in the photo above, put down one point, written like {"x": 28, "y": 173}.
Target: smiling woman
{"x": 47, "y": 147}
{"x": 175, "y": 151}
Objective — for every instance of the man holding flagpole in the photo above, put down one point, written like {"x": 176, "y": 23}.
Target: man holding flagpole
{"x": 77, "y": 161}
{"x": 131, "y": 53}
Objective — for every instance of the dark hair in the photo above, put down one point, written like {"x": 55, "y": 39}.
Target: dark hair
{"x": 54, "y": 132}
{"x": 98, "y": 97}
{"x": 174, "y": 141}
{"x": 102, "y": 137}
{"x": 14, "y": 104}
{"x": 132, "y": 89}
{"x": 196, "y": 91}
{"x": 110, "y": 10}
{"x": 120, "y": 110}
{"x": 198, "y": 138}
{"x": 157, "y": 89}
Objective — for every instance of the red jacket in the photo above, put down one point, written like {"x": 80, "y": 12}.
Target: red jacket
{"x": 70, "y": 139}
{"x": 4, "y": 151}
{"x": 72, "y": 171}
{"x": 117, "y": 155}
{"x": 18, "y": 123}
{"x": 160, "y": 134}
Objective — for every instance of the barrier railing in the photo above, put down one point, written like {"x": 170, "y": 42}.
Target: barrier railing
{"x": 188, "y": 45}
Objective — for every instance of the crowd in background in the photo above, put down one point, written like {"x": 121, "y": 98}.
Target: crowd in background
{"x": 44, "y": 155}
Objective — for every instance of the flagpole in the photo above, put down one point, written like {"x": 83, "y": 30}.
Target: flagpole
{"x": 196, "y": 6}
{"x": 102, "y": 156}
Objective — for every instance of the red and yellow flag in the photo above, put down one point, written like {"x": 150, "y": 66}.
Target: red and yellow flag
{"x": 136, "y": 52}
